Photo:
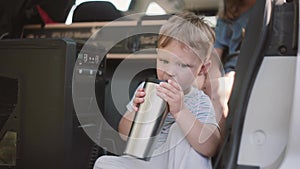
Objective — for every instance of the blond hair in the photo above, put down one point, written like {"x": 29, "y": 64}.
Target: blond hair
{"x": 191, "y": 30}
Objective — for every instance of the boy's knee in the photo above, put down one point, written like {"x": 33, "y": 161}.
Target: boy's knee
{"x": 176, "y": 135}
{"x": 103, "y": 161}
{"x": 98, "y": 163}
{"x": 174, "y": 127}
{"x": 114, "y": 162}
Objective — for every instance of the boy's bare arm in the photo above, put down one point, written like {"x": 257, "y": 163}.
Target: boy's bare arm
{"x": 204, "y": 138}
{"x": 126, "y": 121}
{"x": 125, "y": 124}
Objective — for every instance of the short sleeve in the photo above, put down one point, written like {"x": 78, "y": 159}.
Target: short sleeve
{"x": 201, "y": 106}
{"x": 206, "y": 112}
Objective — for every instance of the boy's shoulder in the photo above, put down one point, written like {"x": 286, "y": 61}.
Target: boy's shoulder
{"x": 197, "y": 94}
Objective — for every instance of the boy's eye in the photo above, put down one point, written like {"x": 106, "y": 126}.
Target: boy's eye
{"x": 184, "y": 65}
{"x": 164, "y": 61}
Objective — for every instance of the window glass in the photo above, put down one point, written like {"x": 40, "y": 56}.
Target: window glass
{"x": 155, "y": 9}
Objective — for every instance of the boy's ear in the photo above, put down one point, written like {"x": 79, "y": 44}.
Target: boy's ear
{"x": 205, "y": 67}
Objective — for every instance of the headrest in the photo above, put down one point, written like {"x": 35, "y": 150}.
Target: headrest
{"x": 96, "y": 11}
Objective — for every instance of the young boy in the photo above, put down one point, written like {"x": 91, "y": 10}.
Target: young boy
{"x": 190, "y": 134}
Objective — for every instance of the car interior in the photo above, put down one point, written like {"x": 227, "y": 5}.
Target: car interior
{"x": 102, "y": 48}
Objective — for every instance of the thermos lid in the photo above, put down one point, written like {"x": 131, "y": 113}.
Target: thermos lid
{"x": 154, "y": 80}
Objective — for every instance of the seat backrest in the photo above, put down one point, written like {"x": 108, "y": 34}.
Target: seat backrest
{"x": 93, "y": 11}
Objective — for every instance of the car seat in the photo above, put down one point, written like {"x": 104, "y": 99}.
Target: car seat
{"x": 93, "y": 11}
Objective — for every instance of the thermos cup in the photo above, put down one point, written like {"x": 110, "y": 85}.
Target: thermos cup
{"x": 147, "y": 123}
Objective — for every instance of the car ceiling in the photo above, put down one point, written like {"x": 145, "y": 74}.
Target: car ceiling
{"x": 172, "y": 6}
{"x": 15, "y": 13}
{"x": 59, "y": 9}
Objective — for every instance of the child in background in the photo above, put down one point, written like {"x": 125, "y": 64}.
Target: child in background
{"x": 230, "y": 29}
{"x": 190, "y": 133}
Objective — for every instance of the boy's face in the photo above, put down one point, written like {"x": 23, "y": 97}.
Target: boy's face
{"x": 179, "y": 64}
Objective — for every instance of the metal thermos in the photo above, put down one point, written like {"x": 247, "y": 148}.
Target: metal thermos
{"x": 147, "y": 123}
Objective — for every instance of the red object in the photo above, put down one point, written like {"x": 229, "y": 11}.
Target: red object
{"x": 45, "y": 17}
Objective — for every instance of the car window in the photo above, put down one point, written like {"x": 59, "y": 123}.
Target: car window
{"x": 155, "y": 9}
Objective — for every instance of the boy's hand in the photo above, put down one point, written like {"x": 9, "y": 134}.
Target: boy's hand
{"x": 172, "y": 93}
{"x": 138, "y": 99}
